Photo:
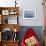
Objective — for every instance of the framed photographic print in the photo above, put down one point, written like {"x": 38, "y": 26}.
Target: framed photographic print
{"x": 13, "y": 12}
{"x": 29, "y": 14}
{"x": 5, "y": 12}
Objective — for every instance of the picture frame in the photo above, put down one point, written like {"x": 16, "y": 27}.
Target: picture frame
{"x": 5, "y": 12}
{"x": 29, "y": 14}
{"x": 12, "y": 12}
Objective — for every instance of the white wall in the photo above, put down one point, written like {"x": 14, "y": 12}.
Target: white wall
{"x": 27, "y": 4}
{"x": 32, "y": 4}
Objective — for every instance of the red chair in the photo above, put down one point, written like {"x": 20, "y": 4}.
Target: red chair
{"x": 29, "y": 33}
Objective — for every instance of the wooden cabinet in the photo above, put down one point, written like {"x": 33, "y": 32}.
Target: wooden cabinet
{"x": 6, "y": 12}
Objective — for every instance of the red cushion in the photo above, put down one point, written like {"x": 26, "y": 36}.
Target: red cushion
{"x": 29, "y": 33}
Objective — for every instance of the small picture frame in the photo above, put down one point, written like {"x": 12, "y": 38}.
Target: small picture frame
{"x": 12, "y": 12}
{"x": 29, "y": 14}
{"x": 5, "y": 12}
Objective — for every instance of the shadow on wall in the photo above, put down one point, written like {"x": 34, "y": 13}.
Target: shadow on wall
{"x": 37, "y": 29}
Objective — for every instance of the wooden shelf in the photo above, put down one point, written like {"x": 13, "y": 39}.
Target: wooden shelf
{"x": 9, "y": 43}
{"x": 10, "y": 26}
{"x": 5, "y": 25}
{"x": 9, "y": 8}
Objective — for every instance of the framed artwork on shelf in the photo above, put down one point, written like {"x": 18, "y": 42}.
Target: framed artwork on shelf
{"x": 29, "y": 14}
{"x": 12, "y": 12}
{"x": 5, "y": 12}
